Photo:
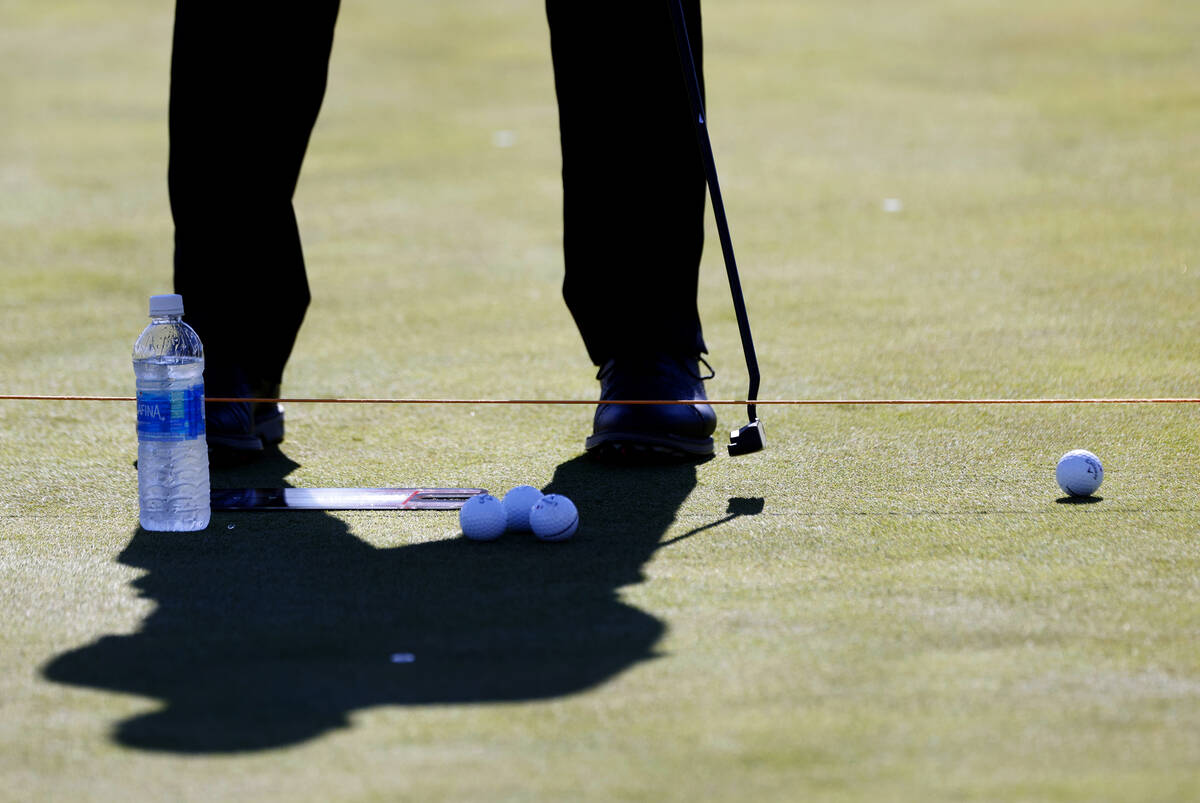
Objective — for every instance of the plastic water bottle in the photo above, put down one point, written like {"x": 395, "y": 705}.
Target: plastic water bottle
{"x": 168, "y": 361}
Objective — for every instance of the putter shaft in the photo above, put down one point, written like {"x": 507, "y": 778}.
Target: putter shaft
{"x": 692, "y": 80}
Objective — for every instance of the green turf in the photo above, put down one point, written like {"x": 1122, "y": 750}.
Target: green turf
{"x": 890, "y": 603}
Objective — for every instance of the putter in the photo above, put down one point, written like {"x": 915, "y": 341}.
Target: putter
{"x": 228, "y": 499}
{"x": 750, "y": 437}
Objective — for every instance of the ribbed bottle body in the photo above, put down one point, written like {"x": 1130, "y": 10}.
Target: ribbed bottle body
{"x": 173, "y": 486}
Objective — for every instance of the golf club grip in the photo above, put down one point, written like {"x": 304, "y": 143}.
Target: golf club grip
{"x": 691, "y": 78}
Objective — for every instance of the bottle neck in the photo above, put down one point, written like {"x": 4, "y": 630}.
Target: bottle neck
{"x": 166, "y": 318}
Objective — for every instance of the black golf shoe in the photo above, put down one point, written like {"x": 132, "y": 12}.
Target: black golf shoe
{"x": 268, "y": 416}
{"x": 631, "y": 433}
{"x": 230, "y": 430}
{"x": 237, "y": 432}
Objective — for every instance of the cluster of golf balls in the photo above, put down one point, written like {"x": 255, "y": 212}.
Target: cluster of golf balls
{"x": 550, "y": 517}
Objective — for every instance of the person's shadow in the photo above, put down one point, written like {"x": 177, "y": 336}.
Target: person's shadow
{"x": 277, "y": 630}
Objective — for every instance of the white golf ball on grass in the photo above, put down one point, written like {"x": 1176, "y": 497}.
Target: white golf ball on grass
{"x": 1079, "y": 473}
{"x": 482, "y": 518}
{"x": 518, "y": 503}
{"x": 554, "y": 518}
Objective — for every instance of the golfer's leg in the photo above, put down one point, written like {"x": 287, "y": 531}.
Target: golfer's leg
{"x": 247, "y": 81}
{"x": 633, "y": 182}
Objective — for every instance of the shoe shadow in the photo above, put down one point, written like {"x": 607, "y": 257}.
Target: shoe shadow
{"x": 277, "y": 630}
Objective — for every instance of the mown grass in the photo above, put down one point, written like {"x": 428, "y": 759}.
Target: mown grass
{"x": 888, "y": 603}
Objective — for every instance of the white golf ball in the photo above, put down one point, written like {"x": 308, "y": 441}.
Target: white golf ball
{"x": 482, "y": 518}
{"x": 554, "y": 518}
{"x": 1079, "y": 473}
{"x": 518, "y": 503}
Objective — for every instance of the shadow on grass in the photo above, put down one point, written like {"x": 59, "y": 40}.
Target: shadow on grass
{"x": 277, "y": 630}
{"x": 738, "y": 506}
{"x": 1079, "y": 500}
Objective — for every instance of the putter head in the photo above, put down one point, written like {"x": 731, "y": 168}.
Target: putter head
{"x": 747, "y": 439}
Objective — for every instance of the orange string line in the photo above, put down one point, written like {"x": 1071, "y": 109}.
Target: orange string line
{"x": 810, "y": 402}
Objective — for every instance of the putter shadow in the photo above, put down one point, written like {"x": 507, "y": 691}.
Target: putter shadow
{"x": 738, "y": 506}
{"x": 277, "y": 630}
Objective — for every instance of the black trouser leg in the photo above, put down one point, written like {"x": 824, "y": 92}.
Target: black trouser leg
{"x": 633, "y": 183}
{"x": 247, "y": 79}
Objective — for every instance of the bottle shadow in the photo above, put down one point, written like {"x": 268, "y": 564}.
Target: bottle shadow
{"x": 271, "y": 629}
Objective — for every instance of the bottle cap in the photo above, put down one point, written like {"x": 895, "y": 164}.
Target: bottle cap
{"x": 170, "y": 304}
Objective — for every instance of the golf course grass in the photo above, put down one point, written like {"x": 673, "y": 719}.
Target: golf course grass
{"x": 934, "y": 199}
